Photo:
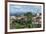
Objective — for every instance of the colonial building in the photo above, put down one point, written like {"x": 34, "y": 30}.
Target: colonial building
{"x": 37, "y": 19}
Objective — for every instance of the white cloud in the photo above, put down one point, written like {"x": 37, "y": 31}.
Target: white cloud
{"x": 17, "y": 6}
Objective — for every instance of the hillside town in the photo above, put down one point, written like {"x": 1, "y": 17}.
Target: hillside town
{"x": 36, "y": 19}
{"x": 26, "y": 21}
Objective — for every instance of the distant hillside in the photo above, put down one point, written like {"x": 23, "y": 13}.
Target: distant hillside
{"x": 22, "y": 13}
{"x": 17, "y": 14}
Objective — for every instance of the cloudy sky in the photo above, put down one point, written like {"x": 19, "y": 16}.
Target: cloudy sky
{"x": 24, "y": 8}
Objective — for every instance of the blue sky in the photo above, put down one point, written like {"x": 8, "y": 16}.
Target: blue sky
{"x": 24, "y": 8}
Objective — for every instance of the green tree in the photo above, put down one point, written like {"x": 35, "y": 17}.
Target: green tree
{"x": 29, "y": 17}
